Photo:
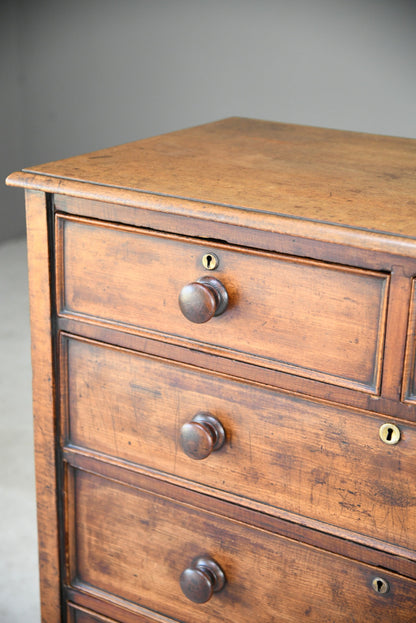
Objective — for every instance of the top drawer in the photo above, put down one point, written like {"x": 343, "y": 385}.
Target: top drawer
{"x": 321, "y": 321}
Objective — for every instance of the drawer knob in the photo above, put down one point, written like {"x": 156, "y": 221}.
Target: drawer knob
{"x": 201, "y": 300}
{"x": 202, "y": 578}
{"x": 201, "y": 436}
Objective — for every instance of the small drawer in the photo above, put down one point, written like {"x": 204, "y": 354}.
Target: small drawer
{"x": 146, "y": 550}
{"x": 409, "y": 389}
{"x": 309, "y": 458}
{"x": 322, "y": 321}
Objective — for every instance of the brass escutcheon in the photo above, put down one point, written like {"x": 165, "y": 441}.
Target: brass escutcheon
{"x": 389, "y": 433}
{"x": 380, "y": 585}
{"x": 210, "y": 261}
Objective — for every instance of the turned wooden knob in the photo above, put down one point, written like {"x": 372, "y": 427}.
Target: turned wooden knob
{"x": 201, "y": 436}
{"x": 202, "y": 299}
{"x": 202, "y": 578}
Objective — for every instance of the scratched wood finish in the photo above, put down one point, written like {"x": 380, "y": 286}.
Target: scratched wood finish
{"x": 41, "y": 312}
{"x": 134, "y": 545}
{"x": 348, "y": 178}
{"x": 81, "y": 615}
{"x": 76, "y": 615}
{"x": 83, "y": 604}
{"x": 84, "y": 616}
{"x": 343, "y": 206}
{"x": 409, "y": 381}
{"x": 339, "y": 339}
{"x": 309, "y": 458}
{"x": 386, "y": 404}
{"x": 358, "y": 248}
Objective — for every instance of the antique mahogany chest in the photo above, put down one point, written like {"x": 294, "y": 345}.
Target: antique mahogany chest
{"x": 224, "y": 377}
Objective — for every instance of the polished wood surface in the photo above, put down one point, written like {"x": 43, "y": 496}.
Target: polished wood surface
{"x": 309, "y": 458}
{"x": 41, "y": 313}
{"x": 82, "y": 616}
{"x": 78, "y": 614}
{"x": 348, "y": 178}
{"x": 88, "y": 609}
{"x": 223, "y": 343}
{"x": 339, "y": 340}
{"x": 134, "y": 545}
{"x": 409, "y": 382}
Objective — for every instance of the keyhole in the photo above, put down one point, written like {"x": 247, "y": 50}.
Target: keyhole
{"x": 210, "y": 261}
{"x": 380, "y": 586}
{"x": 390, "y": 434}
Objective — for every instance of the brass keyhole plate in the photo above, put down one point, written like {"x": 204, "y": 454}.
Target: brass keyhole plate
{"x": 380, "y": 585}
{"x": 210, "y": 261}
{"x": 390, "y": 434}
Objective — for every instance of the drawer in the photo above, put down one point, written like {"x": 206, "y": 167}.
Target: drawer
{"x": 135, "y": 546}
{"x": 409, "y": 393}
{"x": 313, "y": 459}
{"x": 322, "y": 321}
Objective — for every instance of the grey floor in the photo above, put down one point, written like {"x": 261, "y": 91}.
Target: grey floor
{"x": 19, "y": 594}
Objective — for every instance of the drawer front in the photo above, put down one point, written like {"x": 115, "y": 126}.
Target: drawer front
{"x": 321, "y": 321}
{"x": 81, "y": 615}
{"x": 84, "y": 616}
{"x": 409, "y": 388}
{"x": 309, "y": 458}
{"x": 134, "y": 545}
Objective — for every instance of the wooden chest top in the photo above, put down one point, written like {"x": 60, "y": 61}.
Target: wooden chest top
{"x": 259, "y": 169}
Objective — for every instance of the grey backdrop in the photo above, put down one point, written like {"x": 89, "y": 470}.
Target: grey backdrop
{"x": 81, "y": 75}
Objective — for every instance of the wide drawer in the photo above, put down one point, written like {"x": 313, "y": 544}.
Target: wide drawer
{"x": 313, "y": 459}
{"x": 321, "y": 321}
{"x": 131, "y": 544}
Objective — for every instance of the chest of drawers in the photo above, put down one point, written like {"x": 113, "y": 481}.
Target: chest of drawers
{"x": 224, "y": 377}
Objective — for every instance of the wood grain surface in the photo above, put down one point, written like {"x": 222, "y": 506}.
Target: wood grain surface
{"x": 303, "y": 506}
{"x": 43, "y": 383}
{"x": 78, "y": 615}
{"x": 109, "y": 612}
{"x": 135, "y": 546}
{"x": 322, "y": 321}
{"x": 308, "y": 458}
{"x": 348, "y": 178}
{"x": 409, "y": 381}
